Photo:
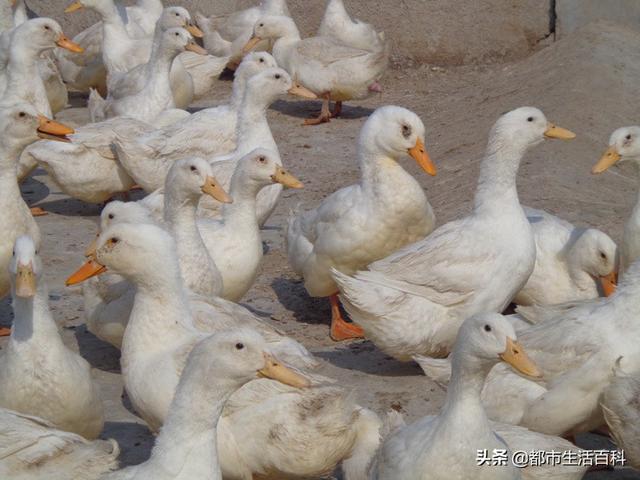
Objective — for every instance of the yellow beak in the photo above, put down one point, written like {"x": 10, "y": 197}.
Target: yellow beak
{"x": 77, "y": 5}
{"x": 515, "y": 356}
{"x": 609, "y": 283}
{"x": 276, "y": 371}
{"x": 560, "y": 133}
{"x": 194, "y": 30}
{"x": 195, "y": 48}
{"x": 301, "y": 91}
{"x": 420, "y": 155}
{"x": 251, "y": 44}
{"x": 212, "y": 188}
{"x": 89, "y": 269}
{"x": 608, "y": 159}
{"x": 52, "y": 130}
{"x": 25, "y": 281}
{"x": 285, "y": 178}
{"x": 64, "y": 42}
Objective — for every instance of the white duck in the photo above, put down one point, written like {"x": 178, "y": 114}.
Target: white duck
{"x": 337, "y": 24}
{"x": 624, "y": 145}
{"x": 87, "y": 168}
{"x": 149, "y": 157}
{"x": 162, "y": 321}
{"x": 253, "y": 132}
{"x": 182, "y": 85}
{"x": 186, "y": 447}
{"x": 108, "y": 299}
{"x": 33, "y": 449}
{"x": 325, "y": 66}
{"x": 66, "y": 395}
{"x": 572, "y": 264}
{"x": 86, "y": 71}
{"x": 577, "y": 350}
{"x": 21, "y": 81}
{"x": 21, "y": 125}
{"x": 446, "y": 445}
{"x": 234, "y": 242}
{"x": 156, "y": 95}
{"x": 622, "y": 411}
{"x": 413, "y": 302}
{"x": 367, "y": 221}
{"x": 225, "y": 35}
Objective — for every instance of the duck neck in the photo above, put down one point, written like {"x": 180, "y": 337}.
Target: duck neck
{"x": 253, "y": 129}
{"x": 238, "y": 89}
{"x": 497, "y": 181}
{"x": 113, "y": 25}
{"x": 244, "y": 191}
{"x": 33, "y": 321}
{"x": 22, "y": 70}
{"x": 187, "y": 441}
{"x": 635, "y": 214}
{"x": 20, "y": 14}
{"x": 157, "y": 84}
{"x": 9, "y": 155}
{"x": 463, "y": 406}
{"x": 283, "y": 45}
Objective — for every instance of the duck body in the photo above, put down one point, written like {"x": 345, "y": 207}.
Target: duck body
{"x": 66, "y": 395}
{"x": 447, "y": 445}
{"x": 577, "y": 351}
{"x": 413, "y": 302}
{"x": 323, "y": 64}
{"x": 87, "y": 168}
{"x": 367, "y": 221}
{"x": 31, "y": 448}
{"x": 569, "y": 261}
{"x": 148, "y": 158}
{"x": 337, "y": 24}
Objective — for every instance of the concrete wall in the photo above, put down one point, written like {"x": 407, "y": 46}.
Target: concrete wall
{"x": 434, "y": 31}
{"x": 573, "y": 14}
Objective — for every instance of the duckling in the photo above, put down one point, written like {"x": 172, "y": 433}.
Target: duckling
{"x": 148, "y": 157}
{"x": 364, "y": 222}
{"x": 413, "y": 301}
{"x": 572, "y": 264}
{"x": 38, "y": 373}
{"x": 330, "y": 69}
{"x": 446, "y": 445}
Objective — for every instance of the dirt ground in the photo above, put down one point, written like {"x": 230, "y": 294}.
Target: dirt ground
{"x": 586, "y": 82}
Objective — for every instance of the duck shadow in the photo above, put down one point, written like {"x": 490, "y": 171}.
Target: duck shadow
{"x": 307, "y": 109}
{"x": 293, "y": 296}
{"x": 71, "y": 207}
{"x": 100, "y": 355}
{"x": 364, "y": 357}
{"x": 34, "y": 190}
{"x": 6, "y": 312}
{"x": 135, "y": 441}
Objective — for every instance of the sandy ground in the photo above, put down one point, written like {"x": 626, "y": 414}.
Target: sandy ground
{"x": 587, "y": 82}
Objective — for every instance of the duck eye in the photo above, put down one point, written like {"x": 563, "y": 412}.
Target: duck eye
{"x": 110, "y": 216}
{"x": 603, "y": 256}
{"x": 487, "y": 328}
{"x": 262, "y": 159}
{"x": 193, "y": 169}
{"x": 278, "y": 76}
{"x": 628, "y": 137}
{"x": 177, "y": 14}
{"x": 115, "y": 240}
{"x": 262, "y": 60}
{"x": 262, "y": 24}
{"x": 530, "y": 119}
{"x": 46, "y": 27}
{"x": 239, "y": 346}
{"x": 177, "y": 34}
{"x": 22, "y": 114}
{"x": 406, "y": 131}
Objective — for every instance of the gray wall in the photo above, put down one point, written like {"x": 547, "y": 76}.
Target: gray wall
{"x": 573, "y": 14}
{"x": 434, "y": 31}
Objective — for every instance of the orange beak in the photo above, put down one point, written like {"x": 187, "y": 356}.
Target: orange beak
{"x": 89, "y": 269}
{"x": 609, "y": 283}
{"x": 64, "y": 42}
{"x": 52, "y": 130}
{"x": 421, "y": 156}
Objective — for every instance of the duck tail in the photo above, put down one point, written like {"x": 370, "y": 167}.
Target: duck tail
{"x": 368, "y": 429}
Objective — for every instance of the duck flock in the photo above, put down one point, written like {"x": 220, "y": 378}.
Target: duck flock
{"x": 228, "y": 395}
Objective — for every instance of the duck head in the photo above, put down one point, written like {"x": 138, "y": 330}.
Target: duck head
{"x": 178, "y": 17}
{"x": 40, "y": 35}
{"x": 624, "y": 144}
{"x": 25, "y": 268}
{"x": 190, "y": 178}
